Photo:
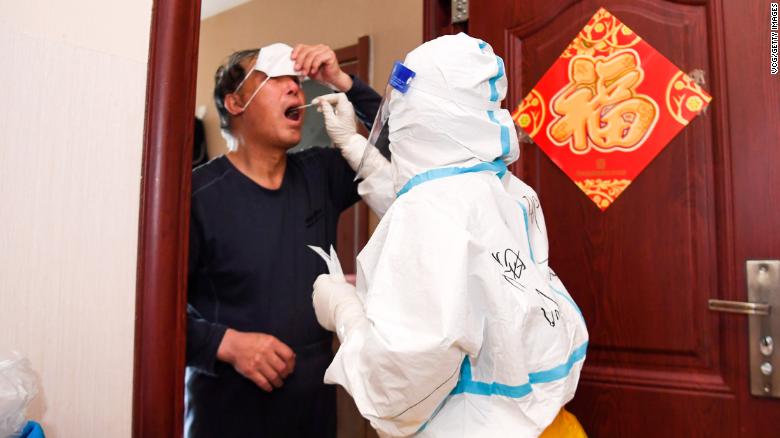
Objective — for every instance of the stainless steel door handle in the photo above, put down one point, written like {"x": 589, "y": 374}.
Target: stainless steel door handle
{"x": 763, "y": 293}
{"x": 742, "y": 307}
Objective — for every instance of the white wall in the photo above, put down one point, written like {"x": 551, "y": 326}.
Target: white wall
{"x": 71, "y": 127}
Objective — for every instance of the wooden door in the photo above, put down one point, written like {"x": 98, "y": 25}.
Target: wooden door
{"x": 660, "y": 363}
{"x": 352, "y": 232}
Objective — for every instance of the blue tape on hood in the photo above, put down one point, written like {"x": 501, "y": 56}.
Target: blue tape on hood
{"x": 497, "y": 166}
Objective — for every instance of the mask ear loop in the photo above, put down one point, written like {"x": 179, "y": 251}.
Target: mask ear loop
{"x": 243, "y": 108}
{"x": 244, "y": 80}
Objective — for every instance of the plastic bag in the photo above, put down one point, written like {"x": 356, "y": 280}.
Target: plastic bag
{"x": 18, "y": 386}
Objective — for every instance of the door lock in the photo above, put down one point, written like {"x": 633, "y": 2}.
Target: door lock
{"x": 767, "y": 345}
{"x": 460, "y": 11}
{"x": 763, "y": 286}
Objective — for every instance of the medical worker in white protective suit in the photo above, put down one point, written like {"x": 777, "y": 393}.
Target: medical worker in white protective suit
{"x": 457, "y": 327}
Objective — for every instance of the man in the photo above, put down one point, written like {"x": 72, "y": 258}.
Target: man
{"x": 458, "y": 326}
{"x": 255, "y": 353}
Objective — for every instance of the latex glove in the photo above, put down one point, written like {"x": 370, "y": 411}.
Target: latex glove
{"x": 339, "y": 117}
{"x": 336, "y": 305}
{"x": 340, "y": 124}
{"x": 377, "y": 186}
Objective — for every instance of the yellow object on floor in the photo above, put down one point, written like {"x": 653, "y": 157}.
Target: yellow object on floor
{"x": 565, "y": 425}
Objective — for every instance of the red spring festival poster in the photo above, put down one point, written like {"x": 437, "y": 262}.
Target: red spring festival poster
{"x": 607, "y": 106}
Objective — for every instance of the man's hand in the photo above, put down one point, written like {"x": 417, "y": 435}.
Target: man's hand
{"x": 259, "y": 357}
{"x": 319, "y": 63}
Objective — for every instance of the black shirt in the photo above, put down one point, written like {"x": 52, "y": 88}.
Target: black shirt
{"x": 250, "y": 269}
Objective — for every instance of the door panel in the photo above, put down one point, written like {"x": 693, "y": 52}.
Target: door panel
{"x": 623, "y": 411}
{"x": 659, "y": 362}
{"x": 643, "y": 270}
{"x": 753, "y": 120}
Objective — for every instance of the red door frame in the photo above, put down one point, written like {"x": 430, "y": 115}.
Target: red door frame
{"x": 163, "y": 230}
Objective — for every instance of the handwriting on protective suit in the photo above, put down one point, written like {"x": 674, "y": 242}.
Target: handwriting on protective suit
{"x": 532, "y": 203}
{"x": 513, "y": 269}
{"x": 513, "y": 266}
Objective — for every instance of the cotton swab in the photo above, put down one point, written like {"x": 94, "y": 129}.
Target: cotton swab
{"x": 304, "y": 106}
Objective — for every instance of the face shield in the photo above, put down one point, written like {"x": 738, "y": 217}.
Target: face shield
{"x": 378, "y": 139}
{"x": 274, "y": 61}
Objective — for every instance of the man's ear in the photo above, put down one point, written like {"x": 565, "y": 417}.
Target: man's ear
{"x": 233, "y": 104}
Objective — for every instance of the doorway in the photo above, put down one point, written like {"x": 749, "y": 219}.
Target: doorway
{"x": 176, "y": 34}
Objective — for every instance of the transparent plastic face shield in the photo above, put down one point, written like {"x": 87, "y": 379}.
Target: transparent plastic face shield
{"x": 378, "y": 139}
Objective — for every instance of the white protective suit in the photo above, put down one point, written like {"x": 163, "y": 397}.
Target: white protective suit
{"x": 457, "y": 327}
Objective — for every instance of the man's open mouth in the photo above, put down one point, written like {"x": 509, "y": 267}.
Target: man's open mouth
{"x": 293, "y": 113}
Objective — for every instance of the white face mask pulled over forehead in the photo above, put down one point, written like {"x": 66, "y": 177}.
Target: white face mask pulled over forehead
{"x": 274, "y": 60}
